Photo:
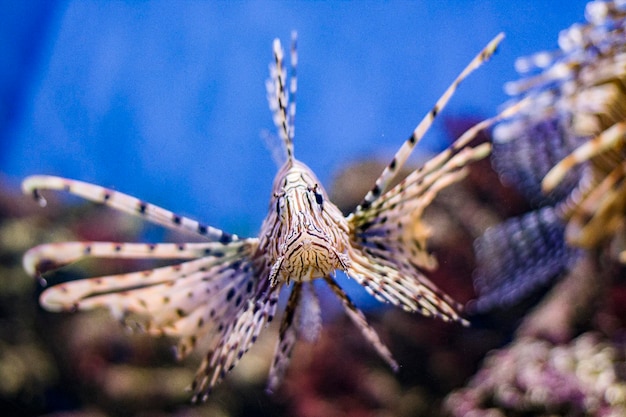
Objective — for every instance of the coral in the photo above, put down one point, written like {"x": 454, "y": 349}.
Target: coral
{"x": 535, "y": 377}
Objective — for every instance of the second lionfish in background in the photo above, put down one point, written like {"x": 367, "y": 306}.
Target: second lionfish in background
{"x": 566, "y": 152}
{"x": 226, "y": 289}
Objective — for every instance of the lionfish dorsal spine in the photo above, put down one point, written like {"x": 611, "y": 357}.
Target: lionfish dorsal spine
{"x": 281, "y": 93}
{"x": 391, "y": 170}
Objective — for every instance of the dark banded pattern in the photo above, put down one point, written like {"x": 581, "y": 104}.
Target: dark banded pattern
{"x": 123, "y": 202}
{"x": 405, "y": 150}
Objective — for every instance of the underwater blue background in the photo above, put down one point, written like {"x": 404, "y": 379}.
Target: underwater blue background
{"x": 166, "y": 100}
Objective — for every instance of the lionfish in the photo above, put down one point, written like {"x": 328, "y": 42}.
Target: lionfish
{"x": 566, "y": 151}
{"x": 226, "y": 289}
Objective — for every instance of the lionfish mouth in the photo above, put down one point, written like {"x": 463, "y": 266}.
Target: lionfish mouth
{"x": 308, "y": 255}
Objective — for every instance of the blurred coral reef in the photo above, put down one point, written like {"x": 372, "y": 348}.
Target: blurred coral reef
{"x": 535, "y": 377}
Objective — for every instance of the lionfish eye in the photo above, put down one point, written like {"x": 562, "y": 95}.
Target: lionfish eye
{"x": 280, "y": 204}
{"x": 319, "y": 199}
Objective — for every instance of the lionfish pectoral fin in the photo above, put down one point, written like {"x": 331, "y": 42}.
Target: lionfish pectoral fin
{"x": 234, "y": 340}
{"x": 392, "y": 222}
{"x": 519, "y": 256}
{"x": 389, "y": 236}
{"x": 187, "y": 300}
{"x": 402, "y": 284}
{"x": 52, "y": 256}
{"x": 389, "y": 253}
{"x": 358, "y": 318}
{"x": 607, "y": 139}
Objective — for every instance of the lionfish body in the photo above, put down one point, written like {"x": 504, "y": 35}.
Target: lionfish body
{"x": 226, "y": 289}
{"x": 566, "y": 151}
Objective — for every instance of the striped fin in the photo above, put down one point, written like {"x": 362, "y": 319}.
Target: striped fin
{"x": 235, "y": 340}
{"x": 214, "y": 301}
{"x": 519, "y": 256}
{"x": 391, "y": 228}
{"x": 46, "y": 257}
{"x": 301, "y": 320}
{"x": 392, "y": 223}
{"x": 122, "y": 292}
{"x": 405, "y": 150}
{"x": 220, "y": 295}
{"x": 358, "y": 318}
{"x": 192, "y": 305}
{"x": 389, "y": 238}
{"x": 283, "y": 106}
{"x": 420, "y": 187}
{"x": 123, "y": 202}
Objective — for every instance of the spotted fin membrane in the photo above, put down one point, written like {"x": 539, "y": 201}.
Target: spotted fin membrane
{"x": 226, "y": 289}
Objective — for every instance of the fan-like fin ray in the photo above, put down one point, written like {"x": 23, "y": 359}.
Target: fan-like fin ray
{"x": 35, "y": 184}
{"x": 281, "y": 97}
{"x": 359, "y": 320}
{"x": 235, "y": 340}
{"x": 403, "y": 285}
{"x": 50, "y": 256}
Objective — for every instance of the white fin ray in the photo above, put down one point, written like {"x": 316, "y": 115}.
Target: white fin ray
{"x": 51, "y": 256}
{"x": 123, "y": 202}
{"x": 359, "y": 320}
{"x": 402, "y": 285}
{"x": 401, "y": 156}
{"x": 126, "y": 291}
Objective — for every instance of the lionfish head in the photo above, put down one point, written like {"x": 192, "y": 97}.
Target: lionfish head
{"x": 311, "y": 234}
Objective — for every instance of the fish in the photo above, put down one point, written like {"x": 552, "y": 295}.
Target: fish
{"x": 566, "y": 152}
{"x": 225, "y": 289}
